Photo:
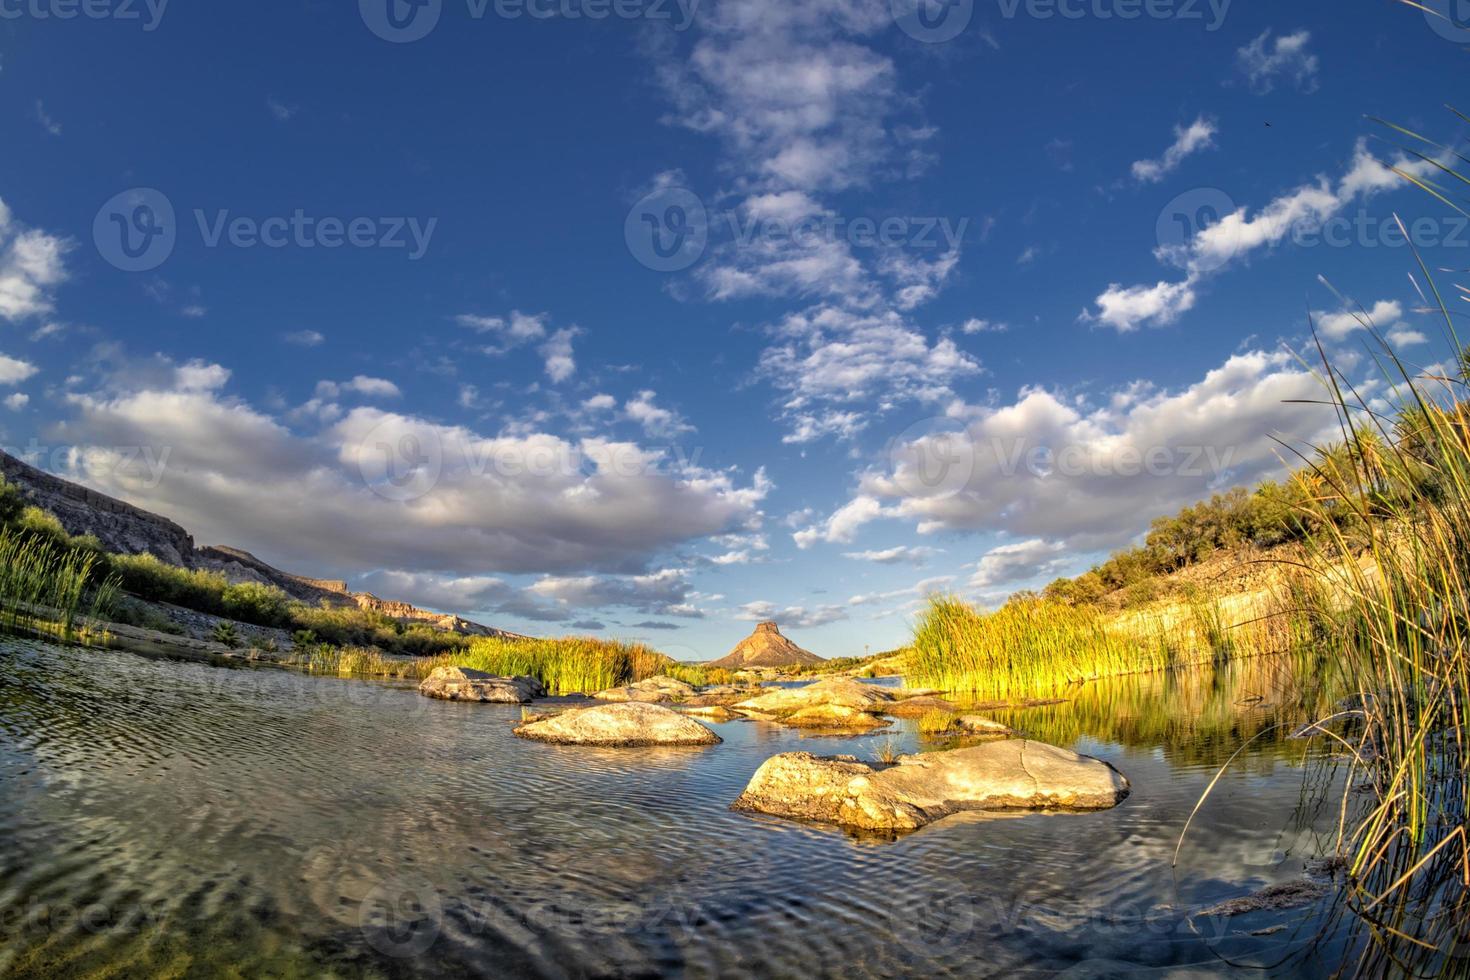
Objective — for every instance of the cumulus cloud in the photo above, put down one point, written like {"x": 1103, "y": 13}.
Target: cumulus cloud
{"x": 557, "y": 351}
{"x": 31, "y": 267}
{"x": 1264, "y": 61}
{"x": 842, "y": 526}
{"x": 437, "y": 498}
{"x": 1017, "y": 562}
{"x": 791, "y": 617}
{"x": 1336, "y": 325}
{"x": 13, "y": 370}
{"x": 1057, "y": 468}
{"x": 1198, "y": 135}
{"x": 17, "y": 401}
{"x": 657, "y": 422}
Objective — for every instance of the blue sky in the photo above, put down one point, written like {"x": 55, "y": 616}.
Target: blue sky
{"x": 657, "y": 319}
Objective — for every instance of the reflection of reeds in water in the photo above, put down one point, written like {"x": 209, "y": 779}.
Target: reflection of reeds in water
{"x": 1196, "y": 715}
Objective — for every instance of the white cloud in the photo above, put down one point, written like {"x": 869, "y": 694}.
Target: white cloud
{"x": 977, "y": 325}
{"x": 1235, "y": 235}
{"x": 842, "y": 526}
{"x": 436, "y": 498}
{"x": 30, "y": 267}
{"x": 560, "y": 363}
{"x": 1018, "y": 561}
{"x": 1263, "y": 63}
{"x": 305, "y": 338}
{"x": 1402, "y": 335}
{"x": 47, "y": 123}
{"x": 1337, "y": 325}
{"x": 17, "y": 401}
{"x": 280, "y": 110}
{"x": 601, "y": 402}
{"x": 1127, "y": 308}
{"x": 361, "y": 384}
{"x": 657, "y": 422}
{"x": 1198, "y": 135}
{"x": 828, "y": 360}
{"x": 1058, "y": 468}
{"x": 791, "y": 617}
{"x": 897, "y": 555}
{"x": 518, "y": 328}
{"x": 13, "y": 371}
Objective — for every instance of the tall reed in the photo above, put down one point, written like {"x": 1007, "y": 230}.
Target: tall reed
{"x": 565, "y": 665}
{"x": 1027, "y": 647}
{"x": 49, "y": 587}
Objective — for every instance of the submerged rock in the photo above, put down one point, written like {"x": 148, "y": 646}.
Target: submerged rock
{"x": 1286, "y": 895}
{"x": 464, "y": 684}
{"x": 654, "y": 690}
{"x": 1009, "y": 775}
{"x": 628, "y": 724}
{"x": 714, "y": 712}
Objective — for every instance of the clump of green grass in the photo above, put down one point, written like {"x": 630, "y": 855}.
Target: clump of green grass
{"x": 224, "y": 633}
{"x": 46, "y": 586}
{"x": 937, "y": 722}
{"x": 565, "y": 665}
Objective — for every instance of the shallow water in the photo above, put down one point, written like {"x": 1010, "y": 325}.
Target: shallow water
{"x": 161, "y": 818}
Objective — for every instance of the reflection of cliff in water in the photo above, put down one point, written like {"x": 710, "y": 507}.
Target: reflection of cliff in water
{"x": 1196, "y": 716}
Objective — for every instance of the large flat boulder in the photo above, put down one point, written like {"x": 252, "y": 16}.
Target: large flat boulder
{"x": 655, "y": 690}
{"x": 1016, "y": 774}
{"x": 626, "y": 724}
{"x": 831, "y": 692}
{"x": 464, "y": 684}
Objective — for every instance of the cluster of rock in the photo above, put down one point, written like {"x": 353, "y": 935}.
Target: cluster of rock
{"x": 463, "y": 684}
{"x": 1003, "y": 775}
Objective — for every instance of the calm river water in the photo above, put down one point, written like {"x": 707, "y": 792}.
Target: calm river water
{"x": 167, "y": 819}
